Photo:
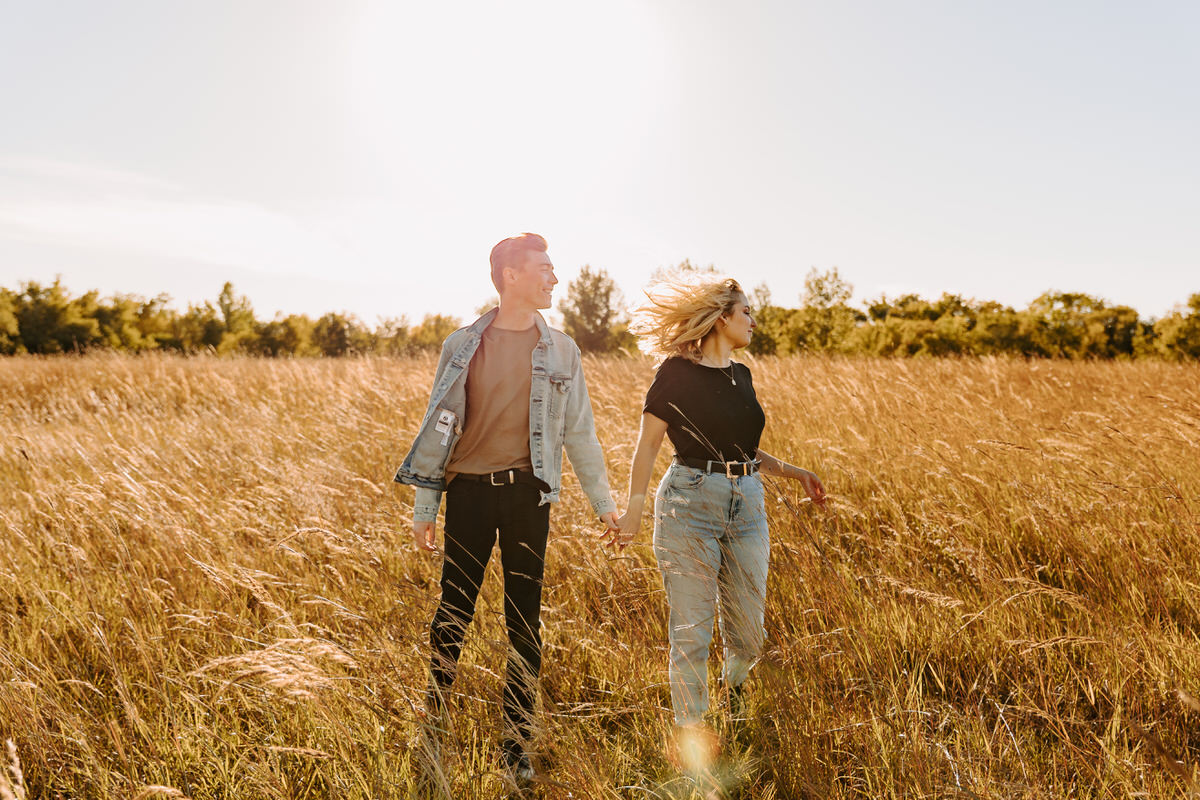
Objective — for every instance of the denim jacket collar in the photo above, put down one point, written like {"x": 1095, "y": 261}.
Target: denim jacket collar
{"x": 480, "y": 325}
{"x": 560, "y": 417}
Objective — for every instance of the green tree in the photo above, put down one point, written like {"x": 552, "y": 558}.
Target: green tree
{"x": 592, "y": 311}
{"x": 121, "y": 320}
{"x": 768, "y": 336}
{"x": 392, "y": 336}
{"x": 198, "y": 328}
{"x": 824, "y": 322}
{"x": 433, "y": 330}
{"x": 238, "y": 317}
{"x": 284, "y": 336}
{"x": 10, "y": 339}
{"x": 332, "y": 335}
{"x": 1000, "y": 329}
{"x": 910, "y": 325}
{"x": 1177, "y": 335}
{"x": 1060, "y": 321}
{"x": 51, "y": 321}
{"x": 155, "y": 319}
{"x": 1112, "y": 332}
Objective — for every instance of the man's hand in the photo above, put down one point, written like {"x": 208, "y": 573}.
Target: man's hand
{"x": 612, "y": 529}
{"x": 424, "y": 536}
{"x": 629, "y": 524}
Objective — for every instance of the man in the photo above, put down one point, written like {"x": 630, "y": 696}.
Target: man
{"x": 508, "y": 396}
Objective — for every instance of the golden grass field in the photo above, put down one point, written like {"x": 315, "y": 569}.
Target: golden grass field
{"x": 207, "y": 588}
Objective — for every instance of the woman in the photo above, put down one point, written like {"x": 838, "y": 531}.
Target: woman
{"x": 710, "y": 525}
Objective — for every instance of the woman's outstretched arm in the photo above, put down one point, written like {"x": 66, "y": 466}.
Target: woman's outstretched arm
{"x": 770, "y": 465}
{"x": 649, "y": 441}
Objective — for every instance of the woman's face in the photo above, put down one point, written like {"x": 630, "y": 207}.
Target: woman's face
{"x": 739, "y": 324}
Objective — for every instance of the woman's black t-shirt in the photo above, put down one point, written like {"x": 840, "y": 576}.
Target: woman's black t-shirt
{"x": 707, "y": 416}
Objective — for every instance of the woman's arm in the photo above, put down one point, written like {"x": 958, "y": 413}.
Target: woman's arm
{"x": 770, "y": 465}
{"x": 649, "y": 441}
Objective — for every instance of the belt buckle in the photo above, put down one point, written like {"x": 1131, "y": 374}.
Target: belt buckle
{"x": 492, "y": 479}
{"x": 729, "y": 469}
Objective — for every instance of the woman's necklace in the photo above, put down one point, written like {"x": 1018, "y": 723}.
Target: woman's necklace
{"x": 729, "y": 374}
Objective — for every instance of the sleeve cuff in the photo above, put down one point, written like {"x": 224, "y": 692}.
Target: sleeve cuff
{"x": 426, "y": 504}
{"x": 604, "y": 506}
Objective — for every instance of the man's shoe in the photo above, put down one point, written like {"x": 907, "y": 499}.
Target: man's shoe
{"x": 737, "y": 703}
{"x": 522, "y": 771}
{"x": 518, "y": 763}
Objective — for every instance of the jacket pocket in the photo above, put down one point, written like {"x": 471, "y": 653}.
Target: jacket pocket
{"x": 560, "y": 387}
{"x": 446, "y": 423}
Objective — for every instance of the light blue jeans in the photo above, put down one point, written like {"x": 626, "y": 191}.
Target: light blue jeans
{"x": 711, "y": 542}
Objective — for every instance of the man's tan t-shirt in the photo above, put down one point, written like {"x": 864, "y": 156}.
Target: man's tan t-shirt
{"x": 496, "y": 431}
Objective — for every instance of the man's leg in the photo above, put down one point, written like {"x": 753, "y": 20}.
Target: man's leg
{"x": 523, "y": 530}
{"x": 469, "y": 535}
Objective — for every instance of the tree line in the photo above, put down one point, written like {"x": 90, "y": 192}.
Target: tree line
{"x": 1055, "y": 325}
{"x": 44, "y": 319}
{"x": 40, "y": 319}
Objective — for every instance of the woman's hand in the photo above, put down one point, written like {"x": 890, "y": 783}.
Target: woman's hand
{"x": 649, "y": 440}
{"x": 770, "y": 465}
{"x": 627, "y": 526}
{"x": 813, "y": 487}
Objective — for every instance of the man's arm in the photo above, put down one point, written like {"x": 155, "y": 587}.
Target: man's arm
{"x": 427, "y": 501}
{"x": 583, "y": 448}
{"x": 424, "y": 525}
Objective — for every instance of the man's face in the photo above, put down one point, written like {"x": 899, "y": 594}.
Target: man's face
{"x": 534, "y": 282}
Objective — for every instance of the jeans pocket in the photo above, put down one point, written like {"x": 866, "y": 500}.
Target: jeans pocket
{"x": 686, "y": 481}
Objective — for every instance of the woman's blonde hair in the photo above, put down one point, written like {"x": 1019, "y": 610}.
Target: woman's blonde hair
{"x": 683, "y": 308}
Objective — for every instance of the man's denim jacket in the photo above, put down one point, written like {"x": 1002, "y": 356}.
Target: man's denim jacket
{"x": 560, "y": 414}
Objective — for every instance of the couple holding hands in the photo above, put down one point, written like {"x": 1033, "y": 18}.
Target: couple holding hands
{"x": 509, "y": 396}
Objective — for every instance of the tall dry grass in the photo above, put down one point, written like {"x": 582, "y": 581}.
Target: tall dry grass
{"x": 207, "y": 588}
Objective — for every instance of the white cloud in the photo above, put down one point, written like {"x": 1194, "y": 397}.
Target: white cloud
{"x": 80, "y": 205}
{"x": 66, "y": 172}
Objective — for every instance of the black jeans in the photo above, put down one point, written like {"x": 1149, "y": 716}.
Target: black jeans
{"x": 474, "y": 513}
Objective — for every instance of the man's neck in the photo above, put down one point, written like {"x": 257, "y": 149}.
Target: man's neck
{"x": 515, "y": 317}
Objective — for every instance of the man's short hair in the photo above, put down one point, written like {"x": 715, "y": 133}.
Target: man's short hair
{"x": 510, "y": 253}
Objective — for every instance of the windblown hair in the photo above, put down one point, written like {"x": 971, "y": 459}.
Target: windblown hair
{"x": 510, "y": 252}
{"x": 682, "y": 309}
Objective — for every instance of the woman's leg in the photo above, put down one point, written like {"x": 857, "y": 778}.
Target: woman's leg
{"x": 746, "y": 550}
{"x": 686, "y": 545}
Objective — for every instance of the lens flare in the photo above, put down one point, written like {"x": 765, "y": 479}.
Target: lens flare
{"x": 696, "y": 748}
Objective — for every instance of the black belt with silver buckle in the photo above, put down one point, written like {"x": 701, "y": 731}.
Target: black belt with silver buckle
{"x": 507, "y": 477}
{"x": 731, "y": 469}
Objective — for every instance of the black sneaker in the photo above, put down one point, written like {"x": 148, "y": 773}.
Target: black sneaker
{"x": 519, "y": 765}
{"x": 737, "y": 703}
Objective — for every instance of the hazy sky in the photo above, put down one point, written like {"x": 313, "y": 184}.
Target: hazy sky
{"x": 365, "y": 156}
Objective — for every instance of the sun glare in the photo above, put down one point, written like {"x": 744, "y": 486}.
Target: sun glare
{"x": 446, "y": 92}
